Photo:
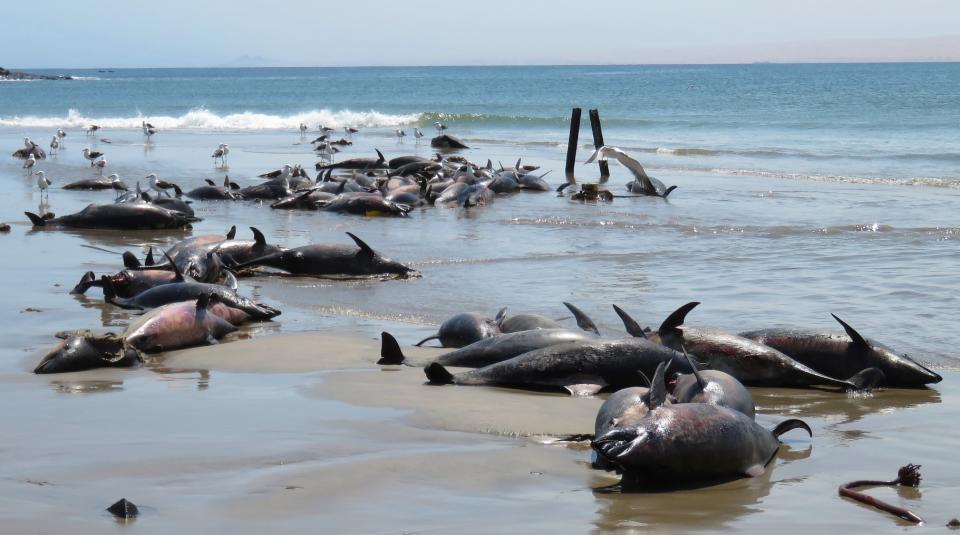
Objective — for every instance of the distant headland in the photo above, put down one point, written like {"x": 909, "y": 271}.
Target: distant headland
{"x": 6, "y": 74}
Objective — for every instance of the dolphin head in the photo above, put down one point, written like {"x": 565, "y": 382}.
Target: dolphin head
{"x": 901, "y": 370}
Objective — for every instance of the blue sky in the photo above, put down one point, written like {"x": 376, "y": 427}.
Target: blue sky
{"x": 198, "y": 33}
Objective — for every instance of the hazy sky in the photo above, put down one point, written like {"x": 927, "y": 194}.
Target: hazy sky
{"x": 197, "y": 33}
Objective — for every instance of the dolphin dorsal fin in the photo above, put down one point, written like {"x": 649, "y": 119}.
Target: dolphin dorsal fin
{"x": 364, "y": 248}
{"x": 633, "y": 328}
{"x": 341, "y": 187}
{"x": 583, "y": 321}
{"x": 696, "y": 373}
{"x": 203, "y": 301}
{"x": 209, "y": 182}
{"x": 657, "y": 395}
{"x": 176, "y": 269}
{"x": 858, "y": 340}
{"x": 232, "y": 233}
{"x": 677, "y": 318}
{"x": 258, "y": 237}
{"x": 390, "y": 352}
{"x": 380, "y": 157}
{"x": 149, "y": 261}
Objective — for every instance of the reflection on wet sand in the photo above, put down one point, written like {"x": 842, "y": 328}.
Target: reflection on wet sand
{"x": 836, "y": 408}
{"x": 627, "y": 508}
{"x": 86, "y": 386}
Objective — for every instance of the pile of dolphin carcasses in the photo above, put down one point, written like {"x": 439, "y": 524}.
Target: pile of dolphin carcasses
{"x": 693, "y": 421}
{"x": 192, "y": 299}
{"x": 381, "y": 187}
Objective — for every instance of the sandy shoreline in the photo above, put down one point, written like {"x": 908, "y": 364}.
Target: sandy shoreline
{"x": 300, "y": 431}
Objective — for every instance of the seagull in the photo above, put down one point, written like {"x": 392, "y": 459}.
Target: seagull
{"x": 92, "y": 129}
{"x": 148, "y": 129}
{"x": 319, "y": 139}
{"x": 43, "y": 183}
{"x": 440, "y": 127}
{"x": 326, "y": 129}
{"x": 99, "y": 164}
{"x": 636, "y": 169}
{"x": 28, "y": 165}
{"x": 117, "y": 185}
{"x": 28, "y": 143}
{"x": 221, "y": 152}
{"x": 160, "y": 186}
{"x": 303, "y": 129}
{"x": 417, "y": 134}
{"x": 326, "y": 151}
{"x": 350, "y": 131}
{"x": 61, "y": 134}
{"x": 91, "y": 155}
{"x": 400, "y": 133}
{"x": 54, "y": 145}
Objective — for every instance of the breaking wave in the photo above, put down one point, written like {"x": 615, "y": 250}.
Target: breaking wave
{"x": 203, "y": 119}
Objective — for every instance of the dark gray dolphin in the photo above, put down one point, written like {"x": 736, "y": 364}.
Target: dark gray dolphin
{"x": 713, "y": 388}
{"x": 837, "y": 354}
{"x": 751, "y": 362}
{"x": 85, "y": 352}
{"x": 446, "y": 141}
{"x": 465, "y": 328}
{"x": 332, "y": 259}
{"x": 691, "y": 443}
{"x": 488, "y": 350}
{"x": 123, "y": 216}
{"x": 358, "y": 163}
{"x": 582, "y": 368}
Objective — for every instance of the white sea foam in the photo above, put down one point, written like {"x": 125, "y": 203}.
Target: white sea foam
{"x": 202, "y": 119}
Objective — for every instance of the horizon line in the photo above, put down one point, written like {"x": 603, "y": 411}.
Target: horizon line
{"x": 517, "y": 65}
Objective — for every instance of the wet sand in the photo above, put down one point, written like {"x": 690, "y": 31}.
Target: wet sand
{"x": 305, "y": 433}
{"x": 290, "y": 424}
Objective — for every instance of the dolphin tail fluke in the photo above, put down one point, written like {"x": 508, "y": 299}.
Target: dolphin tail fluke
{"x": 633, "y": 328}
{"x": 427, "y": 339}
{"x": 88, "y": 280}
{"x": 35, "y": 219}
{"x": 438, "y": 375}
{"x": 390, "y": 352}
{"x": 789, "y": 425}
{"x": 669, "y": 191}
{"x": 130, "y": 260}
{"x": 867, "y": 379}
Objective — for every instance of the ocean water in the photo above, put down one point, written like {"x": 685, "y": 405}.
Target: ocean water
{"x": 803, "y": 190}
{"x": 863, "y": 123}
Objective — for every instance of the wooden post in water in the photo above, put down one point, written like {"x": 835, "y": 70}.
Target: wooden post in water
{"x": 572, "y": 143}
{"x": 598, "y": 142}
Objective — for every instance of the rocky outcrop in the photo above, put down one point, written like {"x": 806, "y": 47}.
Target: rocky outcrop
{"x": 17, "y": 75}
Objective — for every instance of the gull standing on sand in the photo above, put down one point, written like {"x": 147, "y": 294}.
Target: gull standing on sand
{"x": 400, "y": 134}
{"x": 303, "y": 129}
{"x": 417, "y": 134}
{"x": 93, "y": 129}
{"x": 54, "y": 145}
{"x": 28, "y": 143}
{"x": 92, "y": 155}
{"x": 28, "y": 165}
{"x": 440, "y": 127}
{"x": 221, "y": 153}
{"x": 350, "y": 131}
{"x": 43, "y": 184}
{"x": 61, "y": 134}
{"x": 326, "y": 129}
{"x": 100, "y": 164}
